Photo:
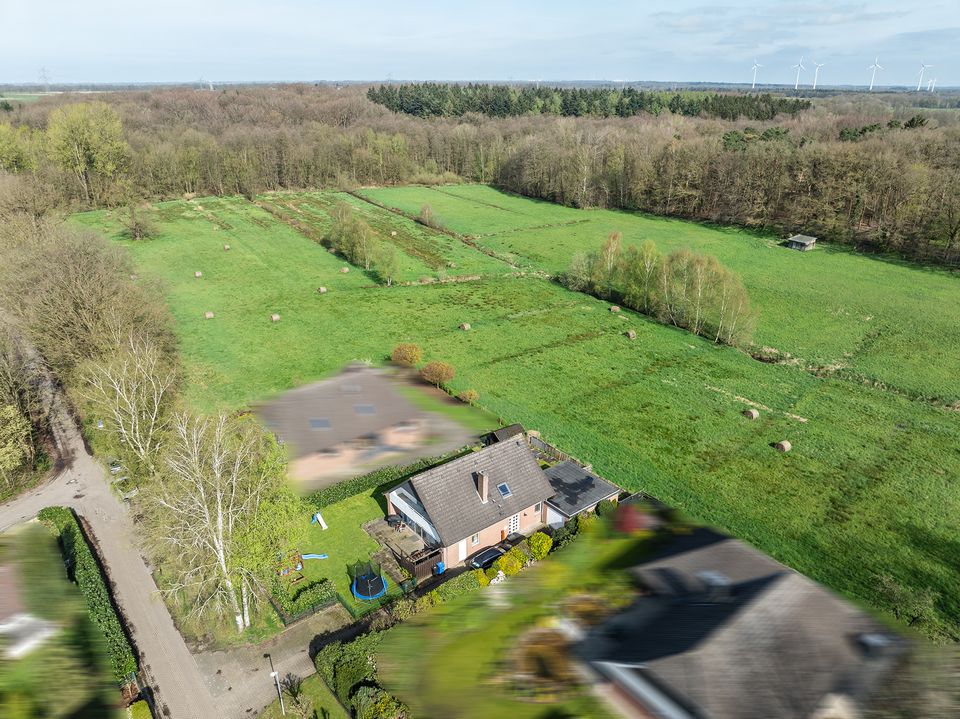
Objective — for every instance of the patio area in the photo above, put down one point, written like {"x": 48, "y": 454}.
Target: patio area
{"x": 403, "y": 541}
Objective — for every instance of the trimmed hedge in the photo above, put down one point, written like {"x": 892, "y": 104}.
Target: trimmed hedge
{"x": 458, "y": 586}
{"x": 85, "y": 571}
{"x": 364, "y": 483}
{"x": 295, "y": 601}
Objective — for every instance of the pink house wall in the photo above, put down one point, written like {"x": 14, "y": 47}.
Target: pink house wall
{"x": 530, "y": 520}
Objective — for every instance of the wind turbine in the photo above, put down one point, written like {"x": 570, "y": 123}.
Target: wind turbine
{"x": 933, "y": 84}
{"x": 922, "y": 68}
{"x": 816, "y": 73}
{"x": 756, "y": 66}
{"x": 875, "y": 66}
{"x": 799, "y": 66}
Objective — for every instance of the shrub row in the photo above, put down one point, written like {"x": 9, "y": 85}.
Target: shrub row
{"x": 295, "y": 601}
{"x": 140, "y": 710}
{"x": 364, "y": 483}
{"x": 85, "y": 571}
{"x": 351, "y": 673}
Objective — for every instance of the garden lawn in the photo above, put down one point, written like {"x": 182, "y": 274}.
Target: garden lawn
{"x": 345, "y": 542}
{"x": 868, "y": 488}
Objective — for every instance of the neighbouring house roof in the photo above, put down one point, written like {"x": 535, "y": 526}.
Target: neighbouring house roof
{"x": 803, "y": 239}
{"x": 504, "y": 433}
{"x": 358, "y": 402}
{"x": 20, "y": 632}
{"x": 731, "y": 634}
{"x": 448, "y": 492}
{"x": 576, "y": 488}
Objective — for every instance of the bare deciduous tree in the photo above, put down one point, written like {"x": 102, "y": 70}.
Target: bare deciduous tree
{"x": 206, "y": 497}
{"x": 131, "y": 389}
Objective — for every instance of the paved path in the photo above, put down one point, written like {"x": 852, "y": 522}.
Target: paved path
{"x": 211, "y": 685}
{"x": 81, "y": 483}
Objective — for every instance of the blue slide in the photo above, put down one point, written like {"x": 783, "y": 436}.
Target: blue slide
{"x": 314, "y": 556}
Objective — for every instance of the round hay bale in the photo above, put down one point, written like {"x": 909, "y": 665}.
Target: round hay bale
{"x": 208, "y": 315}
{"x": 751, "y": 413}
{"x": 274, "y": 318}
{"x": 226, "y": 247}
{"x": 189, "y": 195}
{"x": 198, "y": 274}
{"x": 631, "y": 334}
{"x": 615, "y": 308}
{"x": 393, "y": 233}
{"x": 783, "y": 445}
{"x": 322, "y": 290}
{"x": 344, "y": 270}
{"x": 465, "y": 326}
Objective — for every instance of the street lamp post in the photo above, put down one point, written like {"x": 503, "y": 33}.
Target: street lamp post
{"x": 276, "y": 678}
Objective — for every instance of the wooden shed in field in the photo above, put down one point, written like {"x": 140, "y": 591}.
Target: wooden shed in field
{"x": 801, "y": 242}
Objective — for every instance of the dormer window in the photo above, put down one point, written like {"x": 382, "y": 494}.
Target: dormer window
{"x": 365, "y": 409}
{"x": 320, "y": 423}
{"x": 504, "y": 490}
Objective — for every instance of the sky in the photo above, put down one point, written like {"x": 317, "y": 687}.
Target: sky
{"x": 85, "y": 41}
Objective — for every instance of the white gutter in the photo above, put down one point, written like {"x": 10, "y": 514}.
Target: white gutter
{"x": 629, "y": 679}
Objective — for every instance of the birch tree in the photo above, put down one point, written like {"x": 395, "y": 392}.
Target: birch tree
{"x": 218, "y": 488}
{"x": 131, "y": 389}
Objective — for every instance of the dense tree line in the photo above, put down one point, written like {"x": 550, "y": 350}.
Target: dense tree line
{"x": 684, "y": 289}
{"x": 893, "y": 191}
{"x": 454, "y": 100}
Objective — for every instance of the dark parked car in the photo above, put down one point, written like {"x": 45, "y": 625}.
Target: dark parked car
{"x": 482, "y": 560}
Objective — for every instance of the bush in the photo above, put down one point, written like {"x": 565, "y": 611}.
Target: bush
{"x": 437, "y": 373}
{"x": 458, "y": 586}
{"x": 140, "y": 710}
{"x": 295, "y": 600}
{"x": 482, "y": 579}
{"x": 606, "y": 507}
{"x": 372, "y": 702}
{"x": 86, "y": 573}
{"x": 512, "y": 562}
{"x": 402, "y": 609}
{"x": 423, "y": 603}
{"x": 407, "y": 354}
{"x": 345, "y": 666}
{"x": 540, "y": 545}
{"x": 469, "y": 396}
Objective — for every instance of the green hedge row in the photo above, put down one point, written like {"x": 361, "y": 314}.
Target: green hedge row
{"x": 86, "y": 573}
{"x": 140, "y": 710}
{"x": 295, "y": 601}
{"x": 364, "y": 483}
{"x": 458, "y": 586}
{"x": 351, "y": 673}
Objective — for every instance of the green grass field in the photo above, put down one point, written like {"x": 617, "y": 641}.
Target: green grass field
{"x": 869, "y": 487}
{"x": 872, "y": 319}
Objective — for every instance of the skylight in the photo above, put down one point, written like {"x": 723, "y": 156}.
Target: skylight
{"x": 320, "y": 423}
{"x": 365, "y": 409}
{"x": 504, "y": 489}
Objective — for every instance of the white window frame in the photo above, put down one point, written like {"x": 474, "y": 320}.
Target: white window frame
{"x": 538, "y": 508}
{"x": 475, "y": 540}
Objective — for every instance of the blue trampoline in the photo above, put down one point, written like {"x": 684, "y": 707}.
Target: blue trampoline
{"x": 367, "y": 582}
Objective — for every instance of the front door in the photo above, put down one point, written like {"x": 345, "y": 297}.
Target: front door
{"x": 462, "y": 550}
{"x": 514, "y": 526}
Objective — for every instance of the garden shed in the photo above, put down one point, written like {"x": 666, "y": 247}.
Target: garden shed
{"x": 801, "y": 242}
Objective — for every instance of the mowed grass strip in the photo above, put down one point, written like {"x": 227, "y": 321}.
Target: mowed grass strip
{"x": 868, "y": 488}
{"x": 423, "y": 253}
{"x": 865, "y": 318}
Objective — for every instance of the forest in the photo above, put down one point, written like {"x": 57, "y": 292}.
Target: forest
{"x": 451, "y": 100}
{"x": 896, "y": 189}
